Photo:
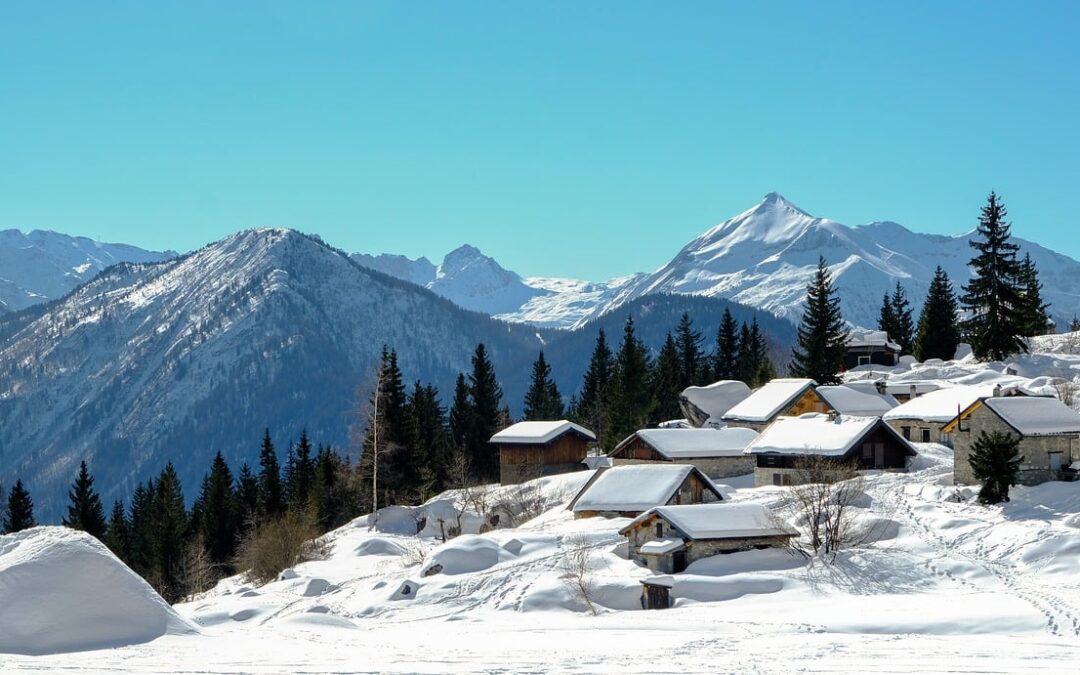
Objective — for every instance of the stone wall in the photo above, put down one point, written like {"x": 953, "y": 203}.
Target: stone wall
{"x": 1036, "y": 450}
{"x": 917, "y": 427}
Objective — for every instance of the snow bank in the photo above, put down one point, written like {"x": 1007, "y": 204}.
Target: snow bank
{"x": 467, "y": 553}
{"x": 63, "y": 591}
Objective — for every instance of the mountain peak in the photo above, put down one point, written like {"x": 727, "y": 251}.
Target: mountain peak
{"x": 778, "y": 201}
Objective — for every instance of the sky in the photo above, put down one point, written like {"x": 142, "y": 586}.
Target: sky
{"x": 584, "y": 139}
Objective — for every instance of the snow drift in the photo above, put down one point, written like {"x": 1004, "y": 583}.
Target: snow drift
{"x": 61, "y": 591}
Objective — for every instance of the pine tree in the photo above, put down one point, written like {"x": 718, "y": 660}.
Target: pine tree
{"x": 667, "y": 382}
{"x": 692, "y": 366}
{"x": 461, "y": 413}
{"x": 271, "y": 491}
{"x": 887, "y": 317}
{"x": 300, "y": 474}
{"x": 822, "y": 337}
{"x": 169, "y": 520}
{"x": 592, "y": 406}
{"x": 1074, "y": 325}
{"x": 85, "y": 511}
{"x": 218, "y": 521}
{"x": 485, "y": 397}
{"x": 632, "y": 400}
{"x": 993, "y": 297}
{"x": 118, "y": 535}
{"x": 764, "y": 370}
{"x": 19, "y": 514}
{"x": 995, "y": 460}
{"x": 938, "y": 333}
{"x": 726, "y": 358}
{"x": 394, "y": 400}
{"x": 141, "y": 524}
{"x": 247, "y": 497}
{"x": 429, "y": 438}
{"x": 328, "y": 494}
{"x": 543, "y": 400}
{"x": 746, "y": 364}
{"x": 904, "y": 328}
{"x": 1034, "y": 319}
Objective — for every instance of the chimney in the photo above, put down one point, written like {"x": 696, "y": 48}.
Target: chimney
{"x": 834, "y": 416}
{"x": 911, "y": 391}
{"x": 880, "y": 386}
{"x": 997, "y": 390}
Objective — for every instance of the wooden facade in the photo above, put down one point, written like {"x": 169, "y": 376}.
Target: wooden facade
{"x": 809, "y": 401}
{"x": 880, "y": 448}
{"x": 695, "y": 489}
{"x": 519, "y": 462}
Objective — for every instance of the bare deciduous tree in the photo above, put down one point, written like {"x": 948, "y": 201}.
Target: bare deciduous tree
{"x": 524, "y": 500}
{"x": 823, "y": 501}
{"x": 577, "y": 568}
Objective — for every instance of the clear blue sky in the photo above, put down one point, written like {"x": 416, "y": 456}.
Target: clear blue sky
{"x": 587, "y": 139}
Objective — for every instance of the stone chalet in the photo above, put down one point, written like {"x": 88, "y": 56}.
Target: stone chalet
{"x": 922, "y": 419}
{"x": 867, "y": 442}
{"x": 1048, "y": 430}
{"x": 717, "y": 452}
{"x": 529, "y": 450}
{"x": 627, "y": 491}
{"x": 780, "y": 397}
{"x": 668, "y": 538}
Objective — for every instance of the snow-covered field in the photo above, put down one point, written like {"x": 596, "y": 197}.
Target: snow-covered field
{"x": 950, "y": 587}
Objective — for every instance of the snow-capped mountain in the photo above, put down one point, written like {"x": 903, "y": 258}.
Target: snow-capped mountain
{"x": 764, "y": 258}
{"x": 40, "y": 265}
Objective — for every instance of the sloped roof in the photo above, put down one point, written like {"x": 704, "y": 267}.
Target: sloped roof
{"x": 718, "y": 521}
{"x": 871, "y": 338}
{"x": 538, "y": 432}
{"x": 769, "y": 400}
{"x": 690, "y": 443}
{"x": 1036, "y": 416}
{"x": 635, "y": 487}
{"x": 860, "y": 398}
{"x": 939, "y": 406}
{"x": 818, "y": 434}
{"x": 717, "y": 398}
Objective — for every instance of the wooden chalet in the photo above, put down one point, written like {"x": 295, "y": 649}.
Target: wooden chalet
{"x": 529, "y": 450}
{"x": 777, "y": 398}
{"x": 627, "y": 491}
{"x": 718, "y": 453}
{"x": 870, "y": 348}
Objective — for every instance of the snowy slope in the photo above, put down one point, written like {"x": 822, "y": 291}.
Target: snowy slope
{"x": 42, "y": 265}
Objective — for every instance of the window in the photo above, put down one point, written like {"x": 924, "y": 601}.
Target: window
{"x": 778, "y": 479}
{"x": 906, "y": 431}
{"x": 925, "y": 435}
{"x": 660, "y": 529}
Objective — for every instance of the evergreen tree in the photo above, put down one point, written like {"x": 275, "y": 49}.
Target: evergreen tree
{"x": 218, "y": 520}
{"x": 667, "y": 382}
{"x": 822, "y": 337}
{"x": 271, "y": 491}
{"x": 247, "y": 497}
{"x": 394, "y": 400}
{"x": 632, "y": 400}
{"x": 19, "y": 514}
{"x": 431, "y": 433}
{"x": 118, "y": 535}
{"x": 764, "y": 370}
{"x": 1034, "y": 319}
{"x": 85, "y": 511}
{"x": 993, "y": 297}
{"x": 141, "y": 529}
{"x": 938, "y": 333}
{"x": 592, "y": 406}
{"x": 461, "y": 413}
{"x": 726, "y": 358}
{"x": 328, "y": 492}
{"x": 746, "y": 364}
{"x": 995, "y": 460}
{"x": 904, "y": 328}
{"x": 1074, "y": 325}
{"x": 887, "y": 317}
{"x": 169, "y": 520}
{"x": 300, "y": 474}
{"x": 485, "y": 398}
{"x": 692, "y": 366}
{"x": 543, "y": 400}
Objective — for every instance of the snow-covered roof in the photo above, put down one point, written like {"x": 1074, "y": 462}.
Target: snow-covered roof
{"x": 717, "y": 398}
{"x": 661, "y": 546}
{"x": 690, "y": 443}
{"x": 857, "y": 398}
{"x": 871, "y": 338}
{"x": 769, "y": 399}
{"x": 635, "y": 487}
{"x": 1036, "y": 416}
{"x": 539, "y": 432}
{"x": 719, "y": 521}
{"x": 941, "y": 406}
{"x": 814, "y": 434}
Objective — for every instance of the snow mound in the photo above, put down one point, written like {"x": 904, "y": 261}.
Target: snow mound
{"x": 62, "y": 591}
{"x": 379, "y": 546}
{"x": 467, "y": 553}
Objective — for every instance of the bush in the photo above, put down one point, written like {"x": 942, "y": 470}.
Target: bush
{"x": 275, "y": 546}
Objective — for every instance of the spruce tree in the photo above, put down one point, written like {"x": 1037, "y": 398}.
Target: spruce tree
{"x": 692, "y": 364}
{"x": 822, "y": 336}
{"x": 904, "y": 328}
{"x": 887, "y": 316}
{"x": 169, "y": 521}
{"x": 328, "y": 494}
{"x": 726, "y": 358}
{"x": 247, "y": 497}
{"x": 993, "y": 296}
{"x": 19, "y": 514}
{"x": 995, "y": 461}
{"x": 592, "y": 406}
{"x": 667, "y": 382}
{"x": 85, "y": 511}
{"x": 394, "y": 399}
{"x": 141, "y": 529}
{"x": 632, "y": 399}
{"x": 543, "y": 400}
{"x": 300, "y": 474}
{"x": 764, "y": 370}
{"x": 746, "y": 363}
{"x": 430, "y": 437}
{"x": 271, "y": 491}
{"x": 485, "y": 397}
{"x": 461, "y": 413}
{"x": 118, "y": 535}
{"x": 1034, "y": 319}
{"x": 938, "y": 333}
{"x": 218, "y": 520}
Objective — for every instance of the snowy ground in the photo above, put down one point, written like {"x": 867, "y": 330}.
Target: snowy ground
{"x": 951, "y": 587}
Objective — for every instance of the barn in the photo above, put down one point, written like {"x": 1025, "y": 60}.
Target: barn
{"x": 627, "y": 491}
{"x": 529, "y": 450}
{"x": 717, "y": 452}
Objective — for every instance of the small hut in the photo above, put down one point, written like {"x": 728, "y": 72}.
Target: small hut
{"x": 529, "y": 450}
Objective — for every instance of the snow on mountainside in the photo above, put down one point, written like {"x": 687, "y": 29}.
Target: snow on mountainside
{"x": 40, "y": 265}
{"x": 175, "y": 360}
{"x": 475, "y": 281}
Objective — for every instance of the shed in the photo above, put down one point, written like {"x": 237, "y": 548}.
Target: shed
{"x": 656, "y": 592}
{"x": 627, "y": 491}
{"x": 922, "y": 419}
{"x": 870, "y": 347}
{"x": 717, "y": 452}
{"x": 532, "y": 449}
{"x": 839, "y": 439}
{"x": 668, "y": 538}
{"x": 704, "y": 406}
{"x": 1048, "y": 431}
{"x": 784, "y": 396}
